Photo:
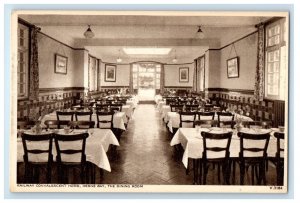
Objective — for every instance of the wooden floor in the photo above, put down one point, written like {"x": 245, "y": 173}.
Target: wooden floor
{"x": 146, "y": 157}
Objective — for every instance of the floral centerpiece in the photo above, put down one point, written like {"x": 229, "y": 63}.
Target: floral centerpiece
{"x": 37, "y": 117}
{"x": 238, "y": 118}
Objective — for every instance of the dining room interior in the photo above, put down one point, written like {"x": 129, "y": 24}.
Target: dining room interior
{"x": 152, "y": 98}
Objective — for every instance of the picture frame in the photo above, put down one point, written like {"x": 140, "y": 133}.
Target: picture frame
{"x": 110, "y": 73}
{"x": 61, "y": 64}
{"x": 233, "y": 67}
{"x": 184, "y": 74}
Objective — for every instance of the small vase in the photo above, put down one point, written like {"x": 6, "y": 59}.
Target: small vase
{"x": 38, "y": 127}
{"x": 238, "y": 128}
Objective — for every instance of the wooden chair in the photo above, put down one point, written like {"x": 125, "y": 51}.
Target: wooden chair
{"x": 32, "y": 168}
{"x": 225, "y": 116}
{"x": 64, "y": 116}
{"x": 192, "y": 107}
{"x": 105, "y": 120}
{"x": 116, "y": 107}
{"x": 206, "y": 115}
{"x": 221, "y": 160}
{"x": 176, "y": 107}
{"x": 76, "y": 156}
{"x": 226, "y": 124}
{"x": 187, "y": 118}
{"x": 82, "y": 124}
{"x": 206, "y": 123}
{"x": 260, "y": 124}
{"x": 253, "y": 155}
{"x": 278, "y": 161}
{"x": 102, "y": 107}
{"x": 83, "y": 115}
{"x": 53, "y": 124}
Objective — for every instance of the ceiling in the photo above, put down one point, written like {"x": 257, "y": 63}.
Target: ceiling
{"x": 177, "y": 31}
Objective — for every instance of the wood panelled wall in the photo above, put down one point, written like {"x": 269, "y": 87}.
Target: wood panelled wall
{"x": 266, "y": 110}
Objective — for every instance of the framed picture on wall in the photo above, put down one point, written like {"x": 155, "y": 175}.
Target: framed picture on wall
{"x": 233, "y": 67}
{"x": 110, "y": 73}
{"x": 184, "y": 74}
{"x": 61, "y": 63}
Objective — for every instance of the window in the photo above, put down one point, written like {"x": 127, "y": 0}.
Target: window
{"x": 276, "y": 61}
{"x": 23, "y": 61}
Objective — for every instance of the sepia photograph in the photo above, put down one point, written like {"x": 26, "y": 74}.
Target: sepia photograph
{"x": 149, "y": 101}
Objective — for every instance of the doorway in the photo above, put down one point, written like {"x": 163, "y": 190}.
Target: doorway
{"x": 146, "y": 80}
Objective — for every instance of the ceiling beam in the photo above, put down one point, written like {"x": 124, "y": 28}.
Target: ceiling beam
{"x": 213, "y": 43}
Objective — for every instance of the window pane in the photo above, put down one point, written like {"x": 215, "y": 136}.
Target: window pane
{"x": 270, "y": 68}
{"x": 271, "y": 56}
{"x": 276, "y": 55}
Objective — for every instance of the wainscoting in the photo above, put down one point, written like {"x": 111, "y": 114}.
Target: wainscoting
{"x": 267, "y": 110}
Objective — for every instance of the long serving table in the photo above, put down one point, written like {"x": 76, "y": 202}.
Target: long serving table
{"x": 191, "y": 141}
{"x": 173, "y": 119}
{"x": 97, "y": 144}
{"x": 119, "y": 119}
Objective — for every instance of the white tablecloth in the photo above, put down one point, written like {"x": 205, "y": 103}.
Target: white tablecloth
{"x": 157, "y": 98}
{"x": 160, "y": 104}
{"x": 133, "y": 102}
{"x": 173, "y": 119}
{"x": 97, "y": 145}
{"x": 192, "y": 143}
{"x": 119, "y": 119}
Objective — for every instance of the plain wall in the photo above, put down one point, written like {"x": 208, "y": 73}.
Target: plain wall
{"x": 122, "y": 75}
{"x": 212, "y": 69}
{"x": 172, "y": 75}
{"x": 246, "y": 50}
{"x": 47, "y": 48}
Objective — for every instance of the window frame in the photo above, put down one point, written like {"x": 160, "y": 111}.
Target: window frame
{"x": 273, "y": 48}
{"x": 26, "y": 96}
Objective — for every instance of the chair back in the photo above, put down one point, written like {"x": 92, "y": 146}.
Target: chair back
{"x": 37, "y": 148}
{"x": 116, "y": 107}
{"x": 176, "y": 107}
{"x": 64, "y": 115}
{"x": 253, "y": 145}
{"x": 102, "y": 107}
{"x": 280, "y": 144}
{"x": 69, "y": 146}
{"x": 105, "y": 120}
{"x": 82, "y": 124}
{"x": 187, "y": 119}
{"x": 257, "y": 124}
{"x": 225, "y": 116}
{"x": 226, "y": 124}
{"x": 216, "y": 145}
{"x": 206, "y": 115}
{"x": 191, "y": 107}
{"x": 55, "y": 124}
{"x": 83, "y": 115}
{"x": 205, "y": 123}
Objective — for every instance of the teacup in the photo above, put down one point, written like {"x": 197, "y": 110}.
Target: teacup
{"x": 281, "y": 129}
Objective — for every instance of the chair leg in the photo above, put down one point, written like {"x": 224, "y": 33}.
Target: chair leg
{"x": 195, "y": 167}
{"x": 200, "y": 171}
{"x": 242, "y": 173}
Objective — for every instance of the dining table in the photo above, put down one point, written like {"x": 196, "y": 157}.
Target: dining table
{"x": 119, "y": 119}
{"x": 173, "y": 119}
{"x": 97, "y": 145}
{"x": 191, "y": 141}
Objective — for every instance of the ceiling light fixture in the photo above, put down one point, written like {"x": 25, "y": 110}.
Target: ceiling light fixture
{"x": 89, "y": 33}
{"x": 119, "y": 60}
{"x": 200, "y": 33}
{"x": 175, "y": 58}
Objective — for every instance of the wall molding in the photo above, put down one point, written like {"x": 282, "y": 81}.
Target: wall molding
{"x": 55, "y": 89}
{"x": 178, "y": 87}
{"x": 242, "y": 91}
{"x": 120, "y": 86}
